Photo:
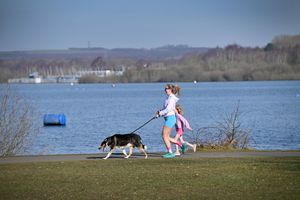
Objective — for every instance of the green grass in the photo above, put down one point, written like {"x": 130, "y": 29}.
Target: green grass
{"x": 204, "y": 178}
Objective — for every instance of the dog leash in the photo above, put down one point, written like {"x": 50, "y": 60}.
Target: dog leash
{"x": 144, "y": 124}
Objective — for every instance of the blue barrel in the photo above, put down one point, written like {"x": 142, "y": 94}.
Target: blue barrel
{"x": 54, "y": 120}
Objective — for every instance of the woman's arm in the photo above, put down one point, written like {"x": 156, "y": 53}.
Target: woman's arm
{"x": 169, "y": 107}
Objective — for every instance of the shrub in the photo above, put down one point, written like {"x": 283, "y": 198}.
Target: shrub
{"x": 16, "y": 123}
{"x": 226, "y": 134}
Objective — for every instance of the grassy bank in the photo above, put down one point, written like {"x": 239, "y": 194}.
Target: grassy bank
{"x": 204, "y": 178}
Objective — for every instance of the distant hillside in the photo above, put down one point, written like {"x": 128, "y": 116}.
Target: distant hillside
{"x": 169, "y": 51}
{"x": 278, "y": 60}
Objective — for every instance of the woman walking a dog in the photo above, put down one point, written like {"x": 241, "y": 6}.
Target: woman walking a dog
{"x": 168, "y": 112}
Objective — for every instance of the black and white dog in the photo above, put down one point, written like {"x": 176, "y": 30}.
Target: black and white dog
{"x": 123, "y": 141}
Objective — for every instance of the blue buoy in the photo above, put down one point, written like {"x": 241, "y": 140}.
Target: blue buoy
{"x": 54, "y": 120}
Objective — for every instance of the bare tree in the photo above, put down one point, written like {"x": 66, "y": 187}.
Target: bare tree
{"x": 16, "y": 122}
{"x": 228, "y": 133}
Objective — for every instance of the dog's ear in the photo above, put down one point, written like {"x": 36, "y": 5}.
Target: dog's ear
{"x": 109, "y": 141}
{"x": 103, "y": 144}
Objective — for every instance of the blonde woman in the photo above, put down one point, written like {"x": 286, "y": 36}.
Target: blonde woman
{"x": 168, "y": 112}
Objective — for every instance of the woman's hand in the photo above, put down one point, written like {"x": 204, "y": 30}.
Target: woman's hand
{"x": 157, "y": 114}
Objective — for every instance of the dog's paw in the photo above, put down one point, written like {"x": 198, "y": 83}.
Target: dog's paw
{"x": 126, "y": 157}
{"x": 104, "y": 158}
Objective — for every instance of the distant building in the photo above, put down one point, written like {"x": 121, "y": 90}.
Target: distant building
{"x": 117, "y": 71}
{"x": 32, "y": 78}
{"x": 61, "y": 79}
{"x": 35, "y": 78}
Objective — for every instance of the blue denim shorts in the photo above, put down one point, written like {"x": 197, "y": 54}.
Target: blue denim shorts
{"x": 170, "y": 121}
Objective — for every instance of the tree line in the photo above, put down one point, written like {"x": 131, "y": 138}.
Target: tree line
{"x": 277, "y": 60}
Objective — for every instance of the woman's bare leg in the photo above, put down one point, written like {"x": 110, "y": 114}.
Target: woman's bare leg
{"x": 166, "y": 136}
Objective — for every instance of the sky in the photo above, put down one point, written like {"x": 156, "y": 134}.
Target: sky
{"x": 62, "y": 24}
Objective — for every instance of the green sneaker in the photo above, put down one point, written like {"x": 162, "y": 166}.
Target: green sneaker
{"x": 183, "y": 148}
{"x": 169, "y": 155}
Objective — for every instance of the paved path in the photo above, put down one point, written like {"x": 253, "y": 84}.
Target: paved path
{"x": 61, "y": 158}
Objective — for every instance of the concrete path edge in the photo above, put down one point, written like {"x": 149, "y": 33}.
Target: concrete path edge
{"x": 99, "y": 156}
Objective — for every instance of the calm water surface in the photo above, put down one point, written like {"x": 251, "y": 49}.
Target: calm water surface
{"x": 95, "y": 111}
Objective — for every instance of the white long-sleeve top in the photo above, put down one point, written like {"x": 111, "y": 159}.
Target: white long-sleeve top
{"x": 169, "y": 106}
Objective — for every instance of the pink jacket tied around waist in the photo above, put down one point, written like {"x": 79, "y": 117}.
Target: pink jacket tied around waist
{"x": 181, "y": 122}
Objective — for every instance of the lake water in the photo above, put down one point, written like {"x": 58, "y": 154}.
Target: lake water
{"x": 95, "y": 111}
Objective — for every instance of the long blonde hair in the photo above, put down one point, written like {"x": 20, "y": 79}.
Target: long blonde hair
{"x": 179, "y": 109}
{"x": 175, "y": 89}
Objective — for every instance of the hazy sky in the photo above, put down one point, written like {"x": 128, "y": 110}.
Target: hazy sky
{"x": 60, "y": 24}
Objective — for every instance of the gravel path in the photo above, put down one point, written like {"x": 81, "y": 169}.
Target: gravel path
{"x": 62, "y": 158}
